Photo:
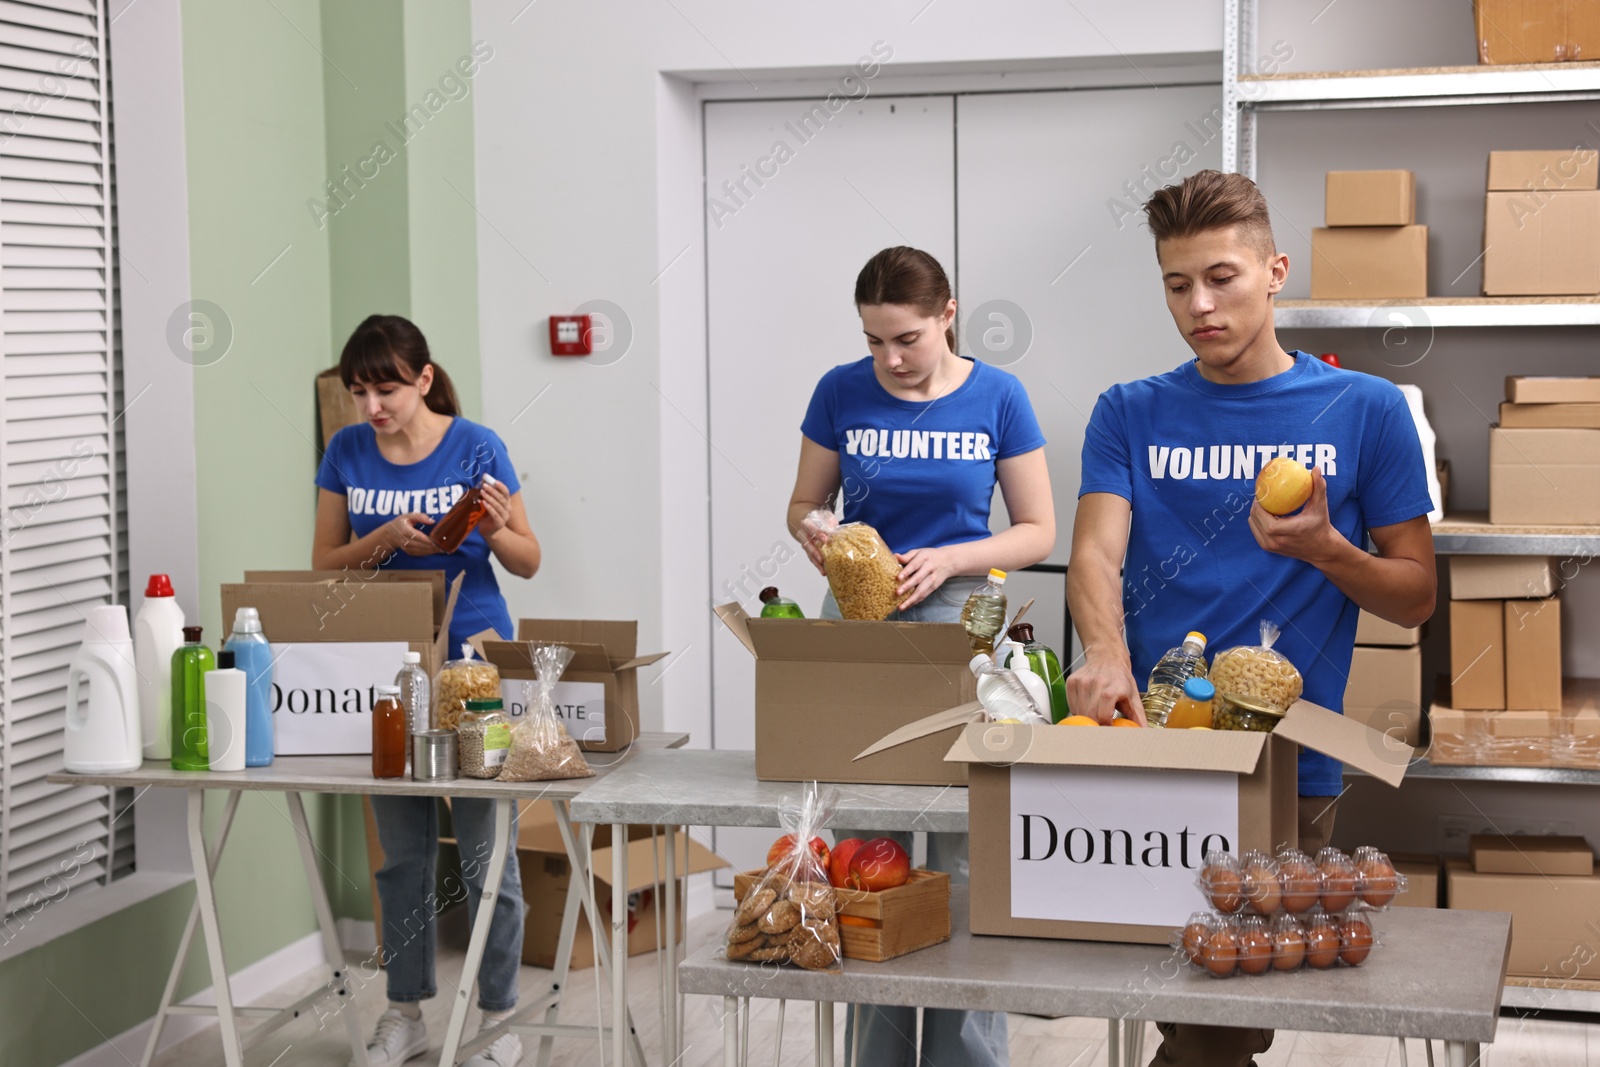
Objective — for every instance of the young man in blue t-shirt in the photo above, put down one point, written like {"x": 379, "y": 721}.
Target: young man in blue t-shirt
{"x": 1169, "y": 538}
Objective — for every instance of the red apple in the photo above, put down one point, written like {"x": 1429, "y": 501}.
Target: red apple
{"x": 879, "y": 864}
{"x": 839, "y": 863}
{"x": 785, "y": 845}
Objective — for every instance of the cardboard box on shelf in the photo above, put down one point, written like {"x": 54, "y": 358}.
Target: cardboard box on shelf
{"x": 598, "y": 695}
{"x": 1552, "y": 918}
{"x": 1553, "y": 416}
{"x": 1501, "y": 577}
{"x": 1385, "y": 691}
{"x": 1530, "y": 854}
{"x": 1533, "y": 654}
{"x": 1370, "y": 198}
{"x": 335, "y": 637}
{"x": 892, "y": 922}
{"x": 1536, "y": 31}
{"x": 1569, "y": 737}
{"x": 826, "y": 690}
{"x": 1422, "y": 879}
{"x": 1551, "y": 170}
{"x": 1541, "y": 244}
{"x": 1550, "y": 389}
{"x": 1371, "y": 630}
{"x": 1369, "y": 263}
{"x": 1098, "y": 835}
{"x": 1544, "y": 477}
{"x": 1477, "y": 655}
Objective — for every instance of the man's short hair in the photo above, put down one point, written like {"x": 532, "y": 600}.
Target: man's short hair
{"x": 1211, "y": 200}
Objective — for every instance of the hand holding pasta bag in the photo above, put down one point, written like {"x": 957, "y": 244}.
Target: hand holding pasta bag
{"x": 789, "y": 914}
{"x": 541, "y": 748}
{"x": 862, "y": 573}
{"x": 1257, "y": 672}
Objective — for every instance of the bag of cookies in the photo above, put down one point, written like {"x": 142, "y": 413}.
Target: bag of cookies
{"x": 541, "y": 748}
{"x": 1256, "y": 672}
{"x": 862, "y": 573}
{"x": 789, "y": 915}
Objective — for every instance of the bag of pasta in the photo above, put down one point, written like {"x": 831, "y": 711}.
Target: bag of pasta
{"x": 789, "y": 915}
{"x": 862, "y": 573}
{"x": 459, "y": 681}
{"x": 541, "y": 748}
{"x": 1257, "y": 672}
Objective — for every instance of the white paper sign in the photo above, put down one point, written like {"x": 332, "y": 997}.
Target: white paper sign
{"x": 1113, "y": 845}
{"x": 322, "y": 694}
{"x": 581, "y": 705}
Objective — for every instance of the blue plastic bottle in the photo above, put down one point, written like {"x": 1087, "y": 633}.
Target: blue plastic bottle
{"x": 253, "y": 655}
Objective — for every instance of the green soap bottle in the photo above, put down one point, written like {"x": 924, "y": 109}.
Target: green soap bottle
{"x": 190, "y": 750}
{"x": 1046, "y": 665}
{"x": 778, "y": 607}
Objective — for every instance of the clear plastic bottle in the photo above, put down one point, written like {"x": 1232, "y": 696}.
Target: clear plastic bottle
{"x": 778, "y": 607}
{"x": 1180, "y": 664}
{"x": 1004, "y": 695}
{"x": 415, "y": 695}
{"x": 984, "y": 613}
{"x": 1045, "y": 663}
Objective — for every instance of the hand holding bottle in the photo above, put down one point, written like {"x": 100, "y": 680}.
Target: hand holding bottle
{"x": 405, "y": 536}
{"x": 496, "y": 500}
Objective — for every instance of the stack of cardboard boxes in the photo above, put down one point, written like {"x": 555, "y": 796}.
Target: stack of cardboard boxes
{"x": 1537, "y": 31}
{"x": 1541, "y": 224}
{"x": 1549, "y": 886}
{"x": 1371, "y": 248}
{"x": 1385, "y": 687}
{"x": 1544, "y": 457}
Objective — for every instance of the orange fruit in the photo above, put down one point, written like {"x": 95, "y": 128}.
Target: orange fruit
{"x": 858, "y": 920}
{"x": 1077, "y": 720}
{"x": 1283, "y": 486}
{"x": 1124, "y": 722}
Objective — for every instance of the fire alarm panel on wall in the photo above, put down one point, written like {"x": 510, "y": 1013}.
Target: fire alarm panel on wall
{"x": 570, "y": 335}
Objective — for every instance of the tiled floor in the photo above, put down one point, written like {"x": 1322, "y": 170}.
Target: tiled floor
{"x": 1034, "y": 1042}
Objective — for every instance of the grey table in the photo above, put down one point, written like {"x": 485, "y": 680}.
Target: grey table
{"x": 1436, "y": 975}
{"x": 700, "y": 787}
{"x": 297, "y": 775}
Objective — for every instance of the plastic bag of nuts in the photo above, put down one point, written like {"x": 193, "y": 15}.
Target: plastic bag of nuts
{"x": 1257, "y": 673}
{"x": 541, "y": 748}
{"x": 459, "y": 681}
{"x": 789, "y": 914}
{"x": 862, "y": 572}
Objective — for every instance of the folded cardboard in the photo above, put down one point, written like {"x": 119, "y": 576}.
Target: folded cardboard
{"x": 1541, "y": 244}
{"x": 1371, "y": 198}
{"x": 1501, "y": 577}
{"x": 1544, "y": 477}
{"x": 1536, "y": 31}
{"x": 1371, "y": 630}
{"x": 1098, "y": 834}
{"x": 1385, "y": 692}
{"x": 336, "y": 408}
{"x": 826, "y": 690}
{"x": 335, "y": 637}
{"x": 1553, "y": 416}
{"x": 1551, "y": 170}
{"x": 1554, "y": 933}
{"x": 598, "y": 695}
{"x": 1530, "y": 854}
{"x": 1369, "y": 263}
{"x": 888, "y": 923}
{"x": 1477, "y": 655}
{"x": 1421, "y": 872}
{"x": 1533, "y": 654}
{"x": 1550, "y": 389}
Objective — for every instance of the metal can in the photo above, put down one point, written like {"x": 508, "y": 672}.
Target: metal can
{"x": 433, "y": 756}
{"x": 1241, "y": 713}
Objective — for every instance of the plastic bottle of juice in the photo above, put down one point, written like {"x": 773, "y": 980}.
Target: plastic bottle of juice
{"x": 1046, "y": 665}
{"x": 778, "y": 607}
{"x": 1194, "y": 707}
{"x": 254, "y": 656}
{"x": 985, "y": 612}
{"x": 190, "y": 749}
{"x": 1180, "y": 664}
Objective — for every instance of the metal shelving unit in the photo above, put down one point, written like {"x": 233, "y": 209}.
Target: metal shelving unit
{"x": 1437, "y": 312}
{"x": 1470, "y": 534}
{"x": 1422, "y": 769}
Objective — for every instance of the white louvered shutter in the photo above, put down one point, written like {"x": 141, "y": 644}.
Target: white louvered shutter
{"x": 62, "y": 509}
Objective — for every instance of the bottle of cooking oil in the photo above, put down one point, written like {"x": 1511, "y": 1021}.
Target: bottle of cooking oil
{"x": 1180, "y": 664}
{"x": 984, "y": 613}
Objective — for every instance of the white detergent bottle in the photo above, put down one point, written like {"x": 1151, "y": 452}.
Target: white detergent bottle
{"x": 102, "y": 732}
{"x": 1430, "y": 446}
{"x": 1003, "y": 694}
{"x": 1017, "y": 660}
{"x": 157, "y": 634}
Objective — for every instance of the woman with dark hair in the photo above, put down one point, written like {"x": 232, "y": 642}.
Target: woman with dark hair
{"x": 912, "y": 440}
{"x": 380, "y": 481}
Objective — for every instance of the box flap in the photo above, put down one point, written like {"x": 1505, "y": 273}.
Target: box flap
{"x": 836, "y": 641}
{"x": 925, "y": 727}
{"x": 434, "y": 580}
{"x": 640, "y": 661}
{"x": 620, "y": 638}
{"x": 344, "y": 610}
{"x": 737, "y": 620}
{"x": 1383, "y": 756}
{"x": 515, "y": 658}
{"x": 647, "y": 860}
{"x": 1231, "y": 751}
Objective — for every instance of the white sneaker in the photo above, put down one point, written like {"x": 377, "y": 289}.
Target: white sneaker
{"x": 506, "y": 1051}
{"x": 395, "y": 1040}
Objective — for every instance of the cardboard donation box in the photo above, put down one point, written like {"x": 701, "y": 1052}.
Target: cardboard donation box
{"x": 1369, "y": 263}
{"x": 598, "y": 695}
{"x": 335, "y": 637}
{"x": 1552, "y": 918}
{"x": 1385, "y": 691}
{"x": 1537, "y": 31}
{"x": 1544, "y": 477}
{"x": 1541, "y": 244}
{"x": 1099, "y": 834}
{"x": 826, "y": 690}
{"x": 1501, "y": 577}
{"x": 888, "y": 923}
{"x": 1531, "y": 854}
{"x": 1371, "y": 198}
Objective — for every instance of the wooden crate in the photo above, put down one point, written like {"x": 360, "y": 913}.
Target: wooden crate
{"x": 889, "y": 924}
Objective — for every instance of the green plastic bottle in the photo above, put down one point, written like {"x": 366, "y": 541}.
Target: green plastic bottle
{"x": 1047, "y": 665}
{"x": 778, "y": 607}
{"x": 190, "y": 748}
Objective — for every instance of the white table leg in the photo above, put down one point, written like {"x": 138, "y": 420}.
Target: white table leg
{"x": 730, "y": 1032}
{"x": 824, "y": 1033}
{"x": 1133, "y": 1042}
{"x": 578, "y": 856}
{"x": 671, "y": 1051}
{"x": 206, "y": 900}
{"x": 1462, "y": 1054}
{"x": 1113, "y": 1043}
{"x": 330, "y": 932}
{"x": 499, "y": 848}
{"x": 620, "y": 1019}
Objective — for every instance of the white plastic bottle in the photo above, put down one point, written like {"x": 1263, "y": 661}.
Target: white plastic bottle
{"x": 1004, "y": 695}
{"x": 1017, "y": 660}
{"x": 102, "y": 733}
{"x": 225, "y": 713}
{"x": 157, "y": 634}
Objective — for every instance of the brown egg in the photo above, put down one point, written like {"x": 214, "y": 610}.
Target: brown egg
{"x": 1220, "y": 953}
{"x": 1225, "y": 888}
{"x": 1262, "y": 888}
{"x": 1378, "y": 881}
{"x": 1355, "y": 940}
{"x": 1338, "y": 886}
{"x": 1194, "y": 936}
{"x": 1290, "y": 946}
{"x": 1322, "y": 944}
{"x": 1301, "y": 886}
{"x": 1255, "y": 951}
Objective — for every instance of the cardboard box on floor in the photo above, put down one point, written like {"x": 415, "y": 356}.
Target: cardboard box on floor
{"x": 1501, "y": 577}
{"x": 1422, "y": 880}
{"x": 1552, "y": 918}
{"x": 1369, "y": 263}
{"x": 1385, "y": 691}
{"x": 1536, "y": 389}
{"x": 1533, "y": 654}
{"x": 1536, "y": 31}
{"x": 826, "y": 690}
{"x": 1550, "y": 416}
{"x": 1373, "y": 631}
{"x": 1544, "y": 477}
{"x": 1530, "y": 854}
{"x": 1099, "y": 834}
{"x": 335, "y": 637}
{"x": 1370, "y": 198}
{"x": 1477, "y": 655}
{"x": 1541, "y": 244}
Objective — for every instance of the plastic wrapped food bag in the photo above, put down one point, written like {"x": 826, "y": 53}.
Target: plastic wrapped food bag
{"x": 459, "y": 681}
{"x": 862, "y": 572}
{"x": 1256, "y": 672}
{"x": 789, "y": 914}
{"x": 541, "y": 748}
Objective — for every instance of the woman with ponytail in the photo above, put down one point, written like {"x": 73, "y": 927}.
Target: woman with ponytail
{"x": 380, "y": 483}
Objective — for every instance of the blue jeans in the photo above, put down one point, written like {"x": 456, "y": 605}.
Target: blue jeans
{"x": 408, "y": 828}
{"x": 950, "y": 1038}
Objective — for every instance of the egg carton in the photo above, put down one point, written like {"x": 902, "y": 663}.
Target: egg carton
{"x": 1291, "y": 883}
{"x": 1225, "y": 945}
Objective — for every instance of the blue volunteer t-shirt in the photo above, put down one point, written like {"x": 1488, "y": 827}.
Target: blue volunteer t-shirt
{"x": 376, "y": 491}
{"x": 1185, "y": 452}
{"x": 921, "y": 472}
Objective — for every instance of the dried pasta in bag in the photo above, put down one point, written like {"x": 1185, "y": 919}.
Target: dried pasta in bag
{"x": 459, "y": 681}
{"x": 862, "y": 572}
{"x": 1256, "y": 672}
{"x": 541, "y": 748}
{"x": 789, "y": 914}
